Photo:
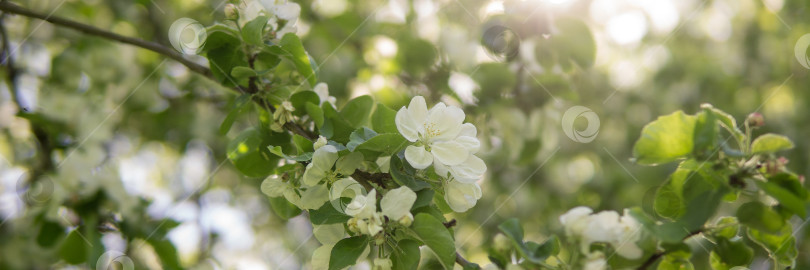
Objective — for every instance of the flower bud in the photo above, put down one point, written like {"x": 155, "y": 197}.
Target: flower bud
{"x": 755, "y": 119}
{"x": 352, "y": 224}
{"x": 502, "y": 243}
{"x": 231, "y": 12}
{"x": 406, "y": 220}
{"x": 382, "y": 264}
{"x": 319, "y": 143}
{"x": 379, "y": 239}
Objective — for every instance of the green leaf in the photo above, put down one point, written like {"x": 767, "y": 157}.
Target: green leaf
{"x": 239, "y": 105}
{"x": 266, "y": 61}
{"x": 300, "y": 100}
{"x": 382, "y": 121}
{"x": 705, "y": 136}
{"x": 327, "y": 214}
{"x": 734, "y": 252}
{"x": 49, "y": 233}
{"x": 512, "y": 229}
{"x": 346, "y": 251}
{"x": 276, "y": 150}
{"x": 166, "y": 252}
{"x": 253, "y": 31}
{"x": 335, "y": 126}
{"x": 223, "y": 59}
{"x": 729, "y": 227}
{"x": 770, "y": 143}
{"x": 780, "y": 245}
{"x": 760, "y": 217}
{"x": 432, "y": 233}
{"x": 550, "y": 247}
{"x": 791, "y": 182}
{"x": 74, "y": 250}
{"x": 283, "y": 208}
{"x": 423, "y": 198}
{"x": 243, "y": 73}
{"x": 386, "y": 144}
{"x": 291, "y": 48}
{"x": 666, "y": 139}
{"x": 357, "y": 111}
{"x": 675, "y": 263}
{"x": 403, "y": 175}
{"x": 316, "y": 113}
{"x": 221, "y": 35}
{"x": 406, "y": 255}
{"x": 303, "y": 145}
{"x": 249, "y": 154}
{"x": 786, "y": 198}
{"x": 415, "y": 55}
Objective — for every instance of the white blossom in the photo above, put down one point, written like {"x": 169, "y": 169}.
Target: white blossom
{"x": 395, "y": 205}
{"x": 319, "y": 143}
{"x": 322, "y": 89}
{"x": 461, "y": 196}
{"x": 382, "y": 264}
{"x": 435, "y": 133}
{"x": 621, "y": 232}
{"x": 595, "y": 261}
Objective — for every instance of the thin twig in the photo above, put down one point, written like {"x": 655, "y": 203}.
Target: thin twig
{"x": 11, "y": 70}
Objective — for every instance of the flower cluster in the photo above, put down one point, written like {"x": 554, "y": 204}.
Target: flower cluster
{"x": 282, "y": 15}
{"x": 440, "y": 138}
{"x": 621, "y": 232}
{"x": 395, "y": 206}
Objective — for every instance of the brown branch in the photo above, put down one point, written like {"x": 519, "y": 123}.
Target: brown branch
{"x": 91, "y": 30}
{"x": 463, "y": 262}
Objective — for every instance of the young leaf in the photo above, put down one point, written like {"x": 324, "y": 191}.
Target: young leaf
{"x": 780, "y": 245}
{"x": 512, "y": 229}
{"x": 359, "y": 136}
{"x": 406, "y": 255}
{"x": 240, "y": 73}
{"x": 668, "y": 138}
{"x": 403, "y": 176}
{"x": 49, "y": 233}
{"x": 346, "y": 251}
{"x": 291, "y": 48}
{"x": 770, "y": 143}
{"x": 785, "y": 198}
{"x": 734, "y": 252}
{"x": 432, "y": 232}
{"x": 300, "y": 100}
{"x": 253, "y": 31}
{"x": 316, "y": 113}
{"x": 386, "y": 144}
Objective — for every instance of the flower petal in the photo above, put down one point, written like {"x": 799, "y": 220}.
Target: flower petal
{"x": 443, "y": 122}
{"x": 417, "y": 110}
{"x": 418, "y": 157}
{"x": 272, "y": 186}
{"x": 470, "y": 170}
{"x": 313, "y": 175}
{"x": 406, "y": 125}
{"x": 449, "y": 152}
{"x": 324, "y": 158}
{"x": 471, "y": 143}
{"x": 461, "y": 196}
{"x": 328, "y": 234}
{"x": 468, "y": 129}
{"x": 397, "y": 202}
{"x": 314, "y": 197}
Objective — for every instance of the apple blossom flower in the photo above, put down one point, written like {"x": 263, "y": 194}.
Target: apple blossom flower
{"x": 322, "y": 89}
{"x": 437, "y": 134}
{"x": 382, "y": 264}
{"x": 395, "y": 205}
{"x": 621, "y": 232}
{"x": 321, "y": 166}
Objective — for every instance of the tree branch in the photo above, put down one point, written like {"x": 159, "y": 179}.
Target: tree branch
{"x": 650, "y": 261}
{"x": 91, "y": 30}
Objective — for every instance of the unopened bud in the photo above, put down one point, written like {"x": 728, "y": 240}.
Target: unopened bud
{"x": 755, "y": 120}
{"x": 502, "y": 244}
{"x": 231, "y": 12}
{"x": 319, "y": 143}
{"x": 382, "y": 264}
{"x": 352, "y": 224}
{"x": 379, "y": 239}
{"x": 406, "y": 220}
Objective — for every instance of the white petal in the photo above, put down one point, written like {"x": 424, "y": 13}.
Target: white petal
{"x": 449, "y": 152}
{"x": 601, "y": 227}
{"x": 324, "y": 158}
{"x": 273, "y": 186}
{"x": 628, "y": 250}
{"x": 312, "y": 176}
{"x": 288, "y": 11}
{"x": 461, "y": 196}
{"x": 417, "y": 110}
{"x": 406, "y": 125}
{"x": 384, "y": 163}
{"x": 441, "y": 169}
{"x": 471, "y": 143}
{"x": 468, "y": 129}
{"x": 363, "y": 206}
{"x": 314, "y": 197}
{"x": 344, "y": 188}
{"x": 470, "y": 170}
{"x": 320, "y": 257}
{"x": 418, "y": 157}
{"x": 444, "y": 122}
{"x": 397, "y": 202}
